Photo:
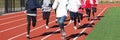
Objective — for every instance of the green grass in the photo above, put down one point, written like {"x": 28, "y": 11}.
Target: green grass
{"x": 108, "y": 27}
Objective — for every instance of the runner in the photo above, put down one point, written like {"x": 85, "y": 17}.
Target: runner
{"x": 46, "y": 6}
{"x": 80, "y": 12}
{"x": 94, "y": 7}
{"x": 88, "y": 4}
{"x": 31, "y": 10}
{"x": 73, "y": 6}
{"x": 61, "y": 13}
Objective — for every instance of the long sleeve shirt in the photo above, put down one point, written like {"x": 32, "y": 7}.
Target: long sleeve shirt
{"x": 31, "y": 7}
{"x": 88, "y": 3}
{"x": 73, "y": 5}
{"x": 61, "y": 7}
{"x": 95, "y": 2}
{"x": 46, "y": 5}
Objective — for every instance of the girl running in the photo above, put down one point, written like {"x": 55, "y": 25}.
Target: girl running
{"x": 94, "y": 7}
{"x": 46, "y": 8}
{"x": 73, "y": 6}
{"x": 31, "y": 9}
{"x": 88, "y": 4}
{"x": 61, "y": 14}
{"x": 80, "y": 12}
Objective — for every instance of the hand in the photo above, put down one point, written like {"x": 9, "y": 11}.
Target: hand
{"x": 25, "y": 11}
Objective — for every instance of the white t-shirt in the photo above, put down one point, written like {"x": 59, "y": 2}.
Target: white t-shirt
{"x": 61, "y": 6}
{"x": 73, "y": 5}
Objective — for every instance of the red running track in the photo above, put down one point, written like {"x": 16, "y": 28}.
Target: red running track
{"x": 13, "y": 26}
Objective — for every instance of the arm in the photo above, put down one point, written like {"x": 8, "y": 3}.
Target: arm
{"x": 26, "y": 7}
{"x": 84, "y": 2}
{"x": 68, "y": 6}
{"x": 36, "y": 3}
{"x": 78, "y": 2}
{"x": 91, "y": 2}
{"x": 51, "y": 3}
{"x": 96, "y": 1}
{"x": 55, "y": 4}
{"x": 41, "y": 3}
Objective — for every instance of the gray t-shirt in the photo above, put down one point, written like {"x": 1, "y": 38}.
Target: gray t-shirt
{"x": 46, "y": 6}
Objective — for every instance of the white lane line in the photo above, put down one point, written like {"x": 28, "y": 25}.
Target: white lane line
{"x": 12, "y": 17}
{"x": 89, "y": 24}
{"x": 12, "y": 13}
{"x": 21, "y": 25}
{"x": 35, "y": 29}
{"x": 59, "y": 29}
{"x": 13, "y": 27}
{"x": 13, "y": 21}
{"x": 52, "y": 33}
{"x": 30, "y": 31}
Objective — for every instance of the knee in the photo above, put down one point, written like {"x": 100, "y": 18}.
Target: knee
{"x": 60, "y": 22}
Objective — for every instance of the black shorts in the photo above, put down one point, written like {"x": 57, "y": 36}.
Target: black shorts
{"x": 88, "y": 12}
{"x": 80, "y": 16}
{"x": 94, "y": 9}
{"x": 46, "y": 15}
